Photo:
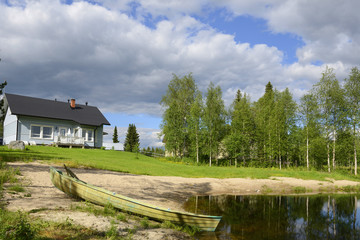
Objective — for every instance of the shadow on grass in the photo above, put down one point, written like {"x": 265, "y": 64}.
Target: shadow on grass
{"x": 26, "y": 155}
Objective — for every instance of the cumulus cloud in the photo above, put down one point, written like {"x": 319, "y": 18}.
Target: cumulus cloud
{"x": 148, "y": 136}
{"x": 106, "y": 53}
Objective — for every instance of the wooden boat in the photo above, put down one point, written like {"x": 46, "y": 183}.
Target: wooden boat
{"x": 74, "y": 187}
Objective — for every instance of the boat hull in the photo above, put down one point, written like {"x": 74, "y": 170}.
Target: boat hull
{"x": 80, "y": 189}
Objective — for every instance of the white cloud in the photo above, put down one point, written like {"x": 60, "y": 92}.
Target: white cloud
{"x": 102, "y": 54}
{"x": 148, "y": 136}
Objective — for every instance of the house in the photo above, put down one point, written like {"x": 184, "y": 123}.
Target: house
{"x": 42, "y": 121}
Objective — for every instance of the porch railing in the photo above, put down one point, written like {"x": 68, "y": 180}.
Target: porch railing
{"x": 70, "y": 140}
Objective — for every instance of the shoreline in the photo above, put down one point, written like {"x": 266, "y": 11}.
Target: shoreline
{"x": 45, "y": 201}
{"x": 168, "y": 192}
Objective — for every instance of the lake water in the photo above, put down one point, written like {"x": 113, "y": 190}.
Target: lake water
{"x": 280, "y": 217}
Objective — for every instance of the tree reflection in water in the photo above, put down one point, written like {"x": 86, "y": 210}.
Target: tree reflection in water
{"x": 280, "y": 217}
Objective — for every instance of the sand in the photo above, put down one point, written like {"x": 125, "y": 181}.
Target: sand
{"x": 168, "y": 192}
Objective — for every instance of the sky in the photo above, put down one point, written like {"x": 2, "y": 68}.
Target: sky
{"x": 120, "y": 55}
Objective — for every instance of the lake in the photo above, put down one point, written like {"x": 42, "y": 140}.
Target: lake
{"x": 280, "y": 217}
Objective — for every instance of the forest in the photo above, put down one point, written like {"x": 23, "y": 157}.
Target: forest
{"x": 320, "y": 131}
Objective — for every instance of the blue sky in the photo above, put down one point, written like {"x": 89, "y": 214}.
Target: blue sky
{"x": 120, "y": 55}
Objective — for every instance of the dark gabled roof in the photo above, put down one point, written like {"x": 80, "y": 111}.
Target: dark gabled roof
{"x": 37, "y": 107}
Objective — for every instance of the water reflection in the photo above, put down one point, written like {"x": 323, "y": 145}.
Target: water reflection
{"x": 281, "y": 217}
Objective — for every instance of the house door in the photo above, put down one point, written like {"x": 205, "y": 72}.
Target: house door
{"x": 62, "y": 132}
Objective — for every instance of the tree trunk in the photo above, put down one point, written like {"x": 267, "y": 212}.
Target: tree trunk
{"x": 197, "y": 148}
{"x": 328, "y": 157}
{"x": 280, "y": 162}
{"x": 355, "y": 157}
{"x": 334, "y": 144}
{"x": 210, "y": 153}
{"x": 307, "y": 148}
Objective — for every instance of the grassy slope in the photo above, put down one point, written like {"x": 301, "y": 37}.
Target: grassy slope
{"x": 128, "y": 162}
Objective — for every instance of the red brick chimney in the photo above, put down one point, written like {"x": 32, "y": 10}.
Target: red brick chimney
{"x": 72, "y": 103}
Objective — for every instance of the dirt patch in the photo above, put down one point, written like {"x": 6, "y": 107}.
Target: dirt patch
{"x": 168, "y": 192}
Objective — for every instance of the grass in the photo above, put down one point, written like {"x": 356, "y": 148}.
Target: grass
{"x": 16, "y": 188}
{"x": 299, "y": 190}
{"x": 141, "y": 164}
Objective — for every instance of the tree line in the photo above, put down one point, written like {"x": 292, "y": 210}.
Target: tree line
{"x": 320, "y": 131}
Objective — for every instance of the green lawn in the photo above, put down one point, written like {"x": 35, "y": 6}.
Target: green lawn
{"x": 130, "y": 163}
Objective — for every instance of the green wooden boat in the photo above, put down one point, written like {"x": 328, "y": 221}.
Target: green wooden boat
{"x": 74, "y": 187}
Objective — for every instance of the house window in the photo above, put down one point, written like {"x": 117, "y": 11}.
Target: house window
{"x": 47, "y": 132}
{"x": 35, "y": 131}
{"x": 88, "y": 135}
{"x": 38, "y": 131}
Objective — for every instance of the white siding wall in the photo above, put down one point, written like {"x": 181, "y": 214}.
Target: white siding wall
{"x": 24, "y": 123}
{"x": 10, "y": 125}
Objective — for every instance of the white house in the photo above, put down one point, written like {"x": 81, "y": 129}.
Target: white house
{"x": 45, "y": 121}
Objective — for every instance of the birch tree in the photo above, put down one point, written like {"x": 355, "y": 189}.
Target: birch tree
{"x": 195, "y": 125}
{"x": 309, "y": 114}
{"x": 352, "y": 90}
{"x": 177, "y": 102}
{"x": 329, "y": 96}
{"x": 214, "y": 120}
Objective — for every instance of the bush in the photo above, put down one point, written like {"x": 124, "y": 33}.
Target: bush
{"x": 15, "y": 226}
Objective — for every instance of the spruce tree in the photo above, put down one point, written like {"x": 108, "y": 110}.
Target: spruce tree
{"x": 115, "y": 136}
{"x": 238, "y": 141}
{"x": 132, "y": 140}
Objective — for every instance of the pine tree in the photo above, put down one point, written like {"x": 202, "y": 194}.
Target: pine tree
{"x": 115, "y": 136}
{"x": 132, "y": 140}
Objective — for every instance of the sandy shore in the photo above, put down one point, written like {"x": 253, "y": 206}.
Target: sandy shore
{"x": 168, "y": 192}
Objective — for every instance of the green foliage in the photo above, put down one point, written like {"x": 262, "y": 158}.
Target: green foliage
{"x": 299, "y": 189}
{"x": 191, "y": 230}
{"x": 177, "y": 102}
{"x": 238, "y": 141}
{"x": 195, "y": 125}
{"x": 132, "y": 140}
{"x": 273, "y": 131}
{"x": 16, "y": 188}
{"x": 112, "y": 232}
{"x": 115, "y": 138}
{"x": 214, "y": 121}
{"x": 15, "y": 226}
{"x": 352, "y": 97}
{"x": 144, "y": 223}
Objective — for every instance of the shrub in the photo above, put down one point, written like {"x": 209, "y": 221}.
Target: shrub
{"x": 15, "y": 226}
